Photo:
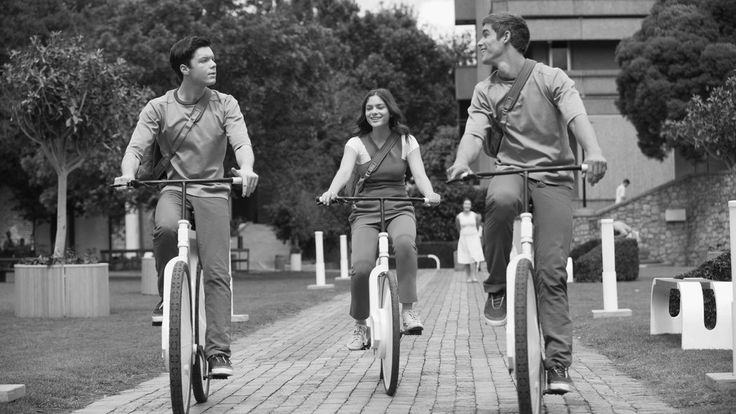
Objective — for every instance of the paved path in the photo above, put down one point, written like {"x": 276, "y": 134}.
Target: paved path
{"x": 301, "y": 365}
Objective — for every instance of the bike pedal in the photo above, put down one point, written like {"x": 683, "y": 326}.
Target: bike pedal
{"x": 415, "y": 331}
{"x": 218, "y": 376}
{"x": 156, "y": 323}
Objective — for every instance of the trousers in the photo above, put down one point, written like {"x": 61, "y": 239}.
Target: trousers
{"x": 552, "y": 238}
{"x": 364, "y": 239}
{"x": 212, "y": 217}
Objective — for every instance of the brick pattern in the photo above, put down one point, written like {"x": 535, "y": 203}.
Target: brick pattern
{"x": 300, "y": 365}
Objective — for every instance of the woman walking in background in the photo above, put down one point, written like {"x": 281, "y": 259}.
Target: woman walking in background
{"x": 469, "y": 249}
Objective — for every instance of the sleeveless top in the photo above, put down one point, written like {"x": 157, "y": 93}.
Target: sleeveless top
{"x": 388, "y": 180}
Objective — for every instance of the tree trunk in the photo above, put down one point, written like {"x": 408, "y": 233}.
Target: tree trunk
{"x": 60, "y": 241}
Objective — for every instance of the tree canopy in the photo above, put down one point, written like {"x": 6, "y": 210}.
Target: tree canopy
{"x": 70, "y": 105}
{"x": 299, "y": 70}
{"x": 709, "y": 124}
{"x": 684, "y": 48}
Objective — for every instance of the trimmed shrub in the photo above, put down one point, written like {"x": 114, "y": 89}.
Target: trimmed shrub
{"x": 442, "y": 249}
{"x": 579, "y": 250}
{"x": 718, "y": 269}
{"x": 589, "y": 267}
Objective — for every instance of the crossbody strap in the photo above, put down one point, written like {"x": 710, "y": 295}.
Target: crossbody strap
{"x": 513, "y": 95}
{"x": 199, "y": 108}
{"x": 379, "y": 156}
{"x": 194, "y": 117}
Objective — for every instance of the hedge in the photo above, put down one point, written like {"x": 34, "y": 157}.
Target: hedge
{"x": 589, "y": 266}
{"x": 718, "y": 269}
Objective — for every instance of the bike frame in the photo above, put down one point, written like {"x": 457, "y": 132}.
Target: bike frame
{"x": 526, "y": 238}
{"x": 188, "y": 254}
{"x": 375, "y": 322}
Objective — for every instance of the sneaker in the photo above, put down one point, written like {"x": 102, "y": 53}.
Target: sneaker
{"x": 495, "y": 310}
{"x": 220, "y": 366}
{"x": 558, "y": 382}
{"x": 157, "y": 318}
{"x": 360, "y": 339}
{"x": 412, "y": 324}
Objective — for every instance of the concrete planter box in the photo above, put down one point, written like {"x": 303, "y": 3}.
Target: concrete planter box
{"x": 80, "y": 290}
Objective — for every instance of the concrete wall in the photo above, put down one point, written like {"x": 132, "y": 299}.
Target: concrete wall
{"x": 704, "y": 199}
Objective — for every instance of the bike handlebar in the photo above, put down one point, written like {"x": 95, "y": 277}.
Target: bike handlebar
{"x": 139, "y": 183}
{"x": 467, "y": 176}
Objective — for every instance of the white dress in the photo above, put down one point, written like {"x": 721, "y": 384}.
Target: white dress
{"x": 469, "y": 249}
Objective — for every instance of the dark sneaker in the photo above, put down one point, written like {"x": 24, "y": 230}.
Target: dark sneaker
{"x": 157, "y": 317}
{"x": 495, "y": 310}
{"x": 558, "y": 382}
{"x": 220, "y": 366}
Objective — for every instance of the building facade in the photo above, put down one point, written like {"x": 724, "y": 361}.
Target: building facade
{"x": 579, "y": 37}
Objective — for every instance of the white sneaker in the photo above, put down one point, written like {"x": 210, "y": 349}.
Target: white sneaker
{"x": 360, "y": 339}
{"x": 412, "y": 324}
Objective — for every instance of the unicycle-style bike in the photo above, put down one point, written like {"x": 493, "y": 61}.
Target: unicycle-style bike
{"x": 384, "y": 321}
{"x": 524, "y": 339}
{"x": 184, "y": 320}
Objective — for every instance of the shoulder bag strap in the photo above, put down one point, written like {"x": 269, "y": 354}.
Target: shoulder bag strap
{"x": 194, "y": 117}
{"x": 513, "y": 95}
{"x": 379, "y": 156}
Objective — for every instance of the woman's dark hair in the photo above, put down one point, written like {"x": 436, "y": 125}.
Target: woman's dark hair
{"x": 395, "y": 116}
{"x": 183, "y": 51}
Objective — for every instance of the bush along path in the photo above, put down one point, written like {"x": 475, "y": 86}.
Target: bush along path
{"x": 588, "y": 262}
{"x": 717, "y": 269}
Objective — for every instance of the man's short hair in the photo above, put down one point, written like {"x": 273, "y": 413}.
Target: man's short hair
{"x": 182, "y": 52}
{"x": 512, "y": 23}
{"x": 626, "y": 181}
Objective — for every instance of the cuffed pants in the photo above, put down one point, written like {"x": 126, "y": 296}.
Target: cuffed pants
{"x": 552, "y": 238}
{"x": 403, "y": 233}
{"x": 213, "y": 242}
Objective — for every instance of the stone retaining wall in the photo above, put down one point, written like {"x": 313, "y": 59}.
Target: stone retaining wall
{"x": 704, "y": 198}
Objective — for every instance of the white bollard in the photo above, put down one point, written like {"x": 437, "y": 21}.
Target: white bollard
{"x": 727, "y": 380}
{"x": 319, "y": 264}
{"x": 610, "y": 295}
{"x": 568, "y": 268}
{"x": 234, "y": 317}
{"x": 343, "y": 258}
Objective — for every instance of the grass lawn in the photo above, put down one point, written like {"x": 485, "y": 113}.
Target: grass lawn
{"x": 677, "y": 375}
{"x": 68, "y": 363}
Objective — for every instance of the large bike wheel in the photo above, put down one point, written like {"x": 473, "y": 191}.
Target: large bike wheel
{"x": 180, "y": 339}
{"x": 200, "y": 374}
{"x": 528, "y": 341}
{"x": 389, "y": 309}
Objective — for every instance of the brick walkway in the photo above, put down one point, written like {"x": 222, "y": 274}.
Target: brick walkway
{"x": 300, "y": 364}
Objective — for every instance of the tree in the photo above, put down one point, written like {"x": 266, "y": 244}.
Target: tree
{"x": 684, "y": 48}
{"x": 438, "y": 223}
{"x": 71, "y": 105}
{"x": 709, "y": 125}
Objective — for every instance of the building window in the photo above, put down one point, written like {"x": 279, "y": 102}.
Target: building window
{"x": 559, "y": 56}
{"x": 593, "y": 55}
{"x": 538, "y": 51}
